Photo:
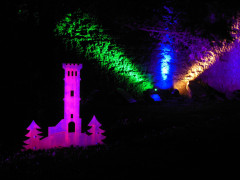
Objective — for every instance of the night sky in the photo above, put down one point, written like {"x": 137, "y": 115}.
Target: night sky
{"x": 33, "y": 57}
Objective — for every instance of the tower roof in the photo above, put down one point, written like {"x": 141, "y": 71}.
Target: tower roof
{"x": 72, "y": 66}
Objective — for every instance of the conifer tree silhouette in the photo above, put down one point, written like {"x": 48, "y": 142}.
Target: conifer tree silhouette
{"x": 96, "y": 131}
{"x": 34, "y": 137}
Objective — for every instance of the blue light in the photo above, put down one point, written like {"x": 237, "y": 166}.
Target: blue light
{"x": 156, "y": 97}
{"x": 163, "y": 64}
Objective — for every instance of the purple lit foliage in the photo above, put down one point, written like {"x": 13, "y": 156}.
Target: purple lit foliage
{"x": 224, "y": 75}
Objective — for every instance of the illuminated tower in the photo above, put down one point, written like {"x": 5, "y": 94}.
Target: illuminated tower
{"x": 72, "y": 97}
{"x": 68, "y": 131}
{"x": 72, "y": 121}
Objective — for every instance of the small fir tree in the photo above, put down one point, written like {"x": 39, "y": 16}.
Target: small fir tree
{"x": 96, "y": 131}
{"x": 34, "y": 137}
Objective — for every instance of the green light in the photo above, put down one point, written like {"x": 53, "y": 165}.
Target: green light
{"x": 80, "y": 31}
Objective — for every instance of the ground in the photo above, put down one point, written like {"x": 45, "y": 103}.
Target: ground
{"x": 142, "y": 139}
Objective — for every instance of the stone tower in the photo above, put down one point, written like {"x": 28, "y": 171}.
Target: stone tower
{"x": 72, "y": 120}
{"x": 68, "y": 132}
{"x": 72, "y": 97}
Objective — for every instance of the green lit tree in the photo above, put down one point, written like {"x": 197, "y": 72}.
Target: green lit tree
{"x": 81, "y": 32}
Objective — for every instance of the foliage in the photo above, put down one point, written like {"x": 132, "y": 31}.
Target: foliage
{"x": 80, "y": 31}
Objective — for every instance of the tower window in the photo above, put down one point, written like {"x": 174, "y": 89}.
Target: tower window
{"x": 72, "y": 73}
{"x": 68, "y": 73}
{"x": 72, "y": 93}
{"x": 75, "y": 73}
{"x": 71, "y": 115}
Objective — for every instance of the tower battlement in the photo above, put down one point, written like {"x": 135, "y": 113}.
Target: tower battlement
{"x": 72, "y": 66}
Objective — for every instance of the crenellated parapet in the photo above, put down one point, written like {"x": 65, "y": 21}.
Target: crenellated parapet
{"x": 72, "y": 70}
{"x": 72, "y": 66}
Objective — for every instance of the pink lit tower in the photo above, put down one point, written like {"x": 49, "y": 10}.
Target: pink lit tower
{"x": 72, "y": 97}
{"x": 68, "y": 131}
{"x": 72, "y": 120}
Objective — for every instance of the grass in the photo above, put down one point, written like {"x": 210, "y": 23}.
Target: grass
{"x": 142, "y": 141}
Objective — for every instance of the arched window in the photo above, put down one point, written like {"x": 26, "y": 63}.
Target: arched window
{"x": 71, "y": 127}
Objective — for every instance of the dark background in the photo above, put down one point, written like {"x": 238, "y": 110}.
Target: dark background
{"x": 32, "y": 80}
